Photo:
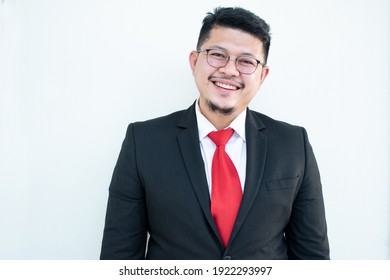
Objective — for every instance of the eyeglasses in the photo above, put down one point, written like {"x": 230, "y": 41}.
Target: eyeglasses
{"x": 218, "y": 58}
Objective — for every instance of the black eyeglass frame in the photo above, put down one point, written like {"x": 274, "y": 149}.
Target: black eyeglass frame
{"x": 227, "y": 61}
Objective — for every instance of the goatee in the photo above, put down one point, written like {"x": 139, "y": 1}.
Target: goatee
{"x": 215, "y": 108}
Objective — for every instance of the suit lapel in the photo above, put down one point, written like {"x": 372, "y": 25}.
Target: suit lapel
{"x": 256, "y": 155}
{"x": 188, "y": 140}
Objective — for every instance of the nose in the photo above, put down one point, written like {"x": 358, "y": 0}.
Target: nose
{"x": 230, "y": 69}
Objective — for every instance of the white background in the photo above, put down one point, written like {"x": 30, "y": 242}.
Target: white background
{"x": 74, "y": 73}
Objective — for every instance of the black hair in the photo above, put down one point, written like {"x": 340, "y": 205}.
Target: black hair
{"x": 236, "y": 18}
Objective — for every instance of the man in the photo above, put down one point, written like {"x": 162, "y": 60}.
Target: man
{"x": 258, "y": 196}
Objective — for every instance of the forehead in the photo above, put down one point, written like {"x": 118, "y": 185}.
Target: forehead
{"x": 234, "y": 41}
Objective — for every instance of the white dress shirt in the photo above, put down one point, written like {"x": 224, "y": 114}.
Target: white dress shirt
{"x": 235, "y": 148}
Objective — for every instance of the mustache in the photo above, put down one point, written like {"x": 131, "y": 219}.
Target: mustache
{"x": 234, "y": 80}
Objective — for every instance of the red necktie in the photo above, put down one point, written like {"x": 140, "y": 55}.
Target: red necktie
{"x": 226, "y": 189}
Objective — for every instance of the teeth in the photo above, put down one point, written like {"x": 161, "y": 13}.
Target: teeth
{"x": 225, "y": 86}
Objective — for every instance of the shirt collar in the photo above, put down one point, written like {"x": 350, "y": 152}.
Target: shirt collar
{"x": 205, "y": 126}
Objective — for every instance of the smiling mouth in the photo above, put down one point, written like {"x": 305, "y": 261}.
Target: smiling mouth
{"x": 226, "y": 86}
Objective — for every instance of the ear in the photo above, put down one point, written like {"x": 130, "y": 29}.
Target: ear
{"x": 193, "y": 59}
{"x": 264, "y": 74}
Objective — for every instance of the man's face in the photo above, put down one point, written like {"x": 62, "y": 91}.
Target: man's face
{"x": 225, "y": 90}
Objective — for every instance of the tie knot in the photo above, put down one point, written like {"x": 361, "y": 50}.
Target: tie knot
{"x": 221, "y": 137}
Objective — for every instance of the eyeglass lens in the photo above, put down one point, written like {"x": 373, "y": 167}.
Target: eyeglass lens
{"x": 219, "y": 58}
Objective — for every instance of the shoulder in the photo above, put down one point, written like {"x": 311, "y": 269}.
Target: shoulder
{"x": 165, "y": 125}
{"x": 270, "y": 125}
{"x": 278, "y": 133}
{"x": 168, "y": 119}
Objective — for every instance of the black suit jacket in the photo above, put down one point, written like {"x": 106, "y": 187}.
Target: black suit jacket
{"x": 159, "y": 187}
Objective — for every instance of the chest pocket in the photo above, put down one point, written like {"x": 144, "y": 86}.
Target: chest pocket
{"x": 276, "y": 185}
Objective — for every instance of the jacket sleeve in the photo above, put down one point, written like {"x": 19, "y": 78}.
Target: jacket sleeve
{"x": 125, "y": 230}
{"x": 306, "y": 233}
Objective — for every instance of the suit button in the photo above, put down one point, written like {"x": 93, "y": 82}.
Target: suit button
{"x": 227, "y": 257}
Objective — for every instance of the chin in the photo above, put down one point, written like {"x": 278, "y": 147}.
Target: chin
{"x": 225, "y": 110}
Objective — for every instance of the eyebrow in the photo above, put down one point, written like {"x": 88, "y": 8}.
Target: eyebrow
{"x": 226, "y": 50}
